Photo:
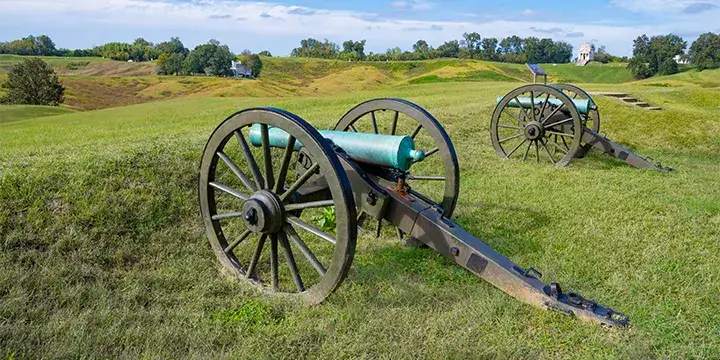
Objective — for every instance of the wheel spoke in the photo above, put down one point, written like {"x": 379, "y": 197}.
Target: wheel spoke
{"x": 229, "y": 190}
{"x": 560, "y": 134}
{"x": 256, "y": 256}
{"x": 537, "y": 152}
{"x": 227, "y": 216}
{"x": 552, "y": 160}
{"x": 393, "y": 127}
{"x": 291, "y": 261}
{"x": 274, "y": 260}
{"x": 532, "y": 105}
{"x": 512, "y": 137}
{"x": 433, "y": 151}
{"x": 517, "y": 147}
{"x": 514, "y": 117}
{"x": 250, "y": 159}
{"x": 285, "y": 164}
{"x": 267, "y": 156}
{"x": 557, "y": 147}
{"x": 374, "y": 122}
{"x": 300, "y": 181}
{"x": 416, "y": 131}
{"x": 568, "y": 120}
{"x": 353, "y": 128}
{"x": 241, "y": 175}
{"x": 237, "y": 242}
{"x": 311, "y": 229}
{"x": 290, "y": 231}
{"x": 547, "y": 98}
{"x": 527, "y": 151}
{"x": 309, "y": 205}
{"x": 551, "y": 114}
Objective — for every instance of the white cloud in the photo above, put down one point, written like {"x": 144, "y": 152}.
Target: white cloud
{"x": 279, "y": 28}
{"x": 413, "y": 4}
{"x": 670, "y": 7}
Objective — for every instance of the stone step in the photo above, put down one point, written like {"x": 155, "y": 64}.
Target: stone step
{"x": 641, "y": 104}
{"x": 613, "y": 94}
{"x": 653, "y": 108}
{"x": 629, "y": 99}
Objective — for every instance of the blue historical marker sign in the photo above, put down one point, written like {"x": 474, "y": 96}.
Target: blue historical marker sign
{"x": 536, "y": 69}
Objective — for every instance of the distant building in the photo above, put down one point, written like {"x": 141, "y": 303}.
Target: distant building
{"x": 586, "y": 55}
{"x": 240, "y": 70}
{"x": 682, "y": 59}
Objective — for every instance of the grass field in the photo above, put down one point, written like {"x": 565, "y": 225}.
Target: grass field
{"x": 104, "y": 254}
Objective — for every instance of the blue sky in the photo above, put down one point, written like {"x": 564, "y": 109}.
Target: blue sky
{"x": 278, "y": 26}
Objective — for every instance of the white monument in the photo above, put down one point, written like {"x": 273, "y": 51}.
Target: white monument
{"x": 587, "y": 54}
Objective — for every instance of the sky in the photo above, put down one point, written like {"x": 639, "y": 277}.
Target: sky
{"x": 278, "y": 26}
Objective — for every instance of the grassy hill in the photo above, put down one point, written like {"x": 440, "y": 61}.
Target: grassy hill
{"x": 11, "y": 113}
{"x": 96, "y": 83}
{"x": 104, "y": 255}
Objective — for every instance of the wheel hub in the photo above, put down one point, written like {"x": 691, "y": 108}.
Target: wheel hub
{"x": 263, "y": 213}
{"x": 534, "y": 130}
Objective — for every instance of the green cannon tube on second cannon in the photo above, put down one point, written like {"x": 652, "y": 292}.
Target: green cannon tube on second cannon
{"x": 393, "y": 151}
{"x": 583, "y": 105}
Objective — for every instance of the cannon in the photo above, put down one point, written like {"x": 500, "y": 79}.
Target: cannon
{"x": 555, "y": 123}
{"x": 270, "y": 183}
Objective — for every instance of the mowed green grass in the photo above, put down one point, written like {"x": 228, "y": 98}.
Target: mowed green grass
{"x": 104, "y": 253}
{"x": 11, "y": 113}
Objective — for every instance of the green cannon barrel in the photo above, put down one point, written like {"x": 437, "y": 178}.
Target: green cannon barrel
{"x": 393, "y": 151}
{"x": 582, "y": 105}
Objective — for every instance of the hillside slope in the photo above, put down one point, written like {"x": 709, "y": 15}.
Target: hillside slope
{"x": 12, "y": 113}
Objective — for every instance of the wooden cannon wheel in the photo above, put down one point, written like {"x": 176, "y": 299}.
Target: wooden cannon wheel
{"x": 249, "y": 212}
{"x": 549, "y": 130}
{"x": 437, "y": 178}
{"x": 591, "y": 120}
{"x": 401, "y": 117}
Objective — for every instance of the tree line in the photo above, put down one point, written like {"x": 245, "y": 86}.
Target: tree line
{"x": 173, "y": 58}
{"x": 472, "y": 46}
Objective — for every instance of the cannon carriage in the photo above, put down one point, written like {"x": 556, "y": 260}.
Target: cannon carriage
{"x": 268, "y": 178}
{"x": 554, "y": 123}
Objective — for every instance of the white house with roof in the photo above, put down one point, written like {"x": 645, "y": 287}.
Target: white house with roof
{"x": 240, "y": 70}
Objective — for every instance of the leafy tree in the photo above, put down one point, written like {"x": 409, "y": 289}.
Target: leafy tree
{"x": 601, "y": 55}
{"x": 33, "y": 82}
{"x": 450, "y": 49}
{"x": 252, "y": 61}
{"x": 174, "y": 46}
{"x": 170, "y": 64}
{"x": 489, "y": 49}
{"x": 353, "y": 50}
{"x": 421, "y": 46}
{"x": 30, "y": 45}
{"x": 211, "y": 59}
{"x": 265, "y": 53}
{"x": 705, "y": 51}
{"x": 313, "y": 48}
{"x": 471, "y": 44}
{"x": 653, "y": 55}
{"x": 668, "y": 67}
